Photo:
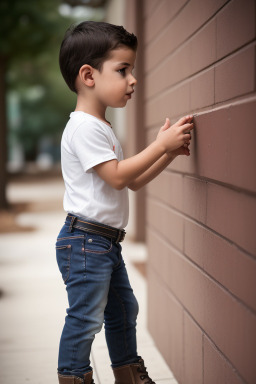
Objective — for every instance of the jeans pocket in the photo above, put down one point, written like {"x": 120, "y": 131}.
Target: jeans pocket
{"x": 98, "y": 244}
{"x": 63, "y": 255}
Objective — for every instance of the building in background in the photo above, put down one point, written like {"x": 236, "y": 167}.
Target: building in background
{"x": 200, "y": 213}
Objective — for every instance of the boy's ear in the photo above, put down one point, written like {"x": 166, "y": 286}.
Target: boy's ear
{"x": 86, "y": 75}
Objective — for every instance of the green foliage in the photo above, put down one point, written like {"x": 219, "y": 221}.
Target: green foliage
{"x": 31, "y": 32}
{"x": 45, "y": 103}
{"x": 28, "y": 25}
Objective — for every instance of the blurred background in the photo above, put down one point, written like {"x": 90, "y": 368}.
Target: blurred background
{"x": 34, "y": 100}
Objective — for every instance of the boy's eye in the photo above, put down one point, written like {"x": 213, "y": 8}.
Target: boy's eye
{"x": 122, "y": 71}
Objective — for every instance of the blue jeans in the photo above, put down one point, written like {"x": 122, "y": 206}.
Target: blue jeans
{"x": 99, "y": 291}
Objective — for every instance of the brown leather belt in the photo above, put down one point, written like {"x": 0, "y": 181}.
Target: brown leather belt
{"x": 117, "y": 235}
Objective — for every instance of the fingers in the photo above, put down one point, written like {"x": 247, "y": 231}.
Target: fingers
{"x": 186, "y": 149}
{"x": 167, "y": 124}
{"x": 187, "y": 132}
{"x": 187, "y": 127}
{"x": 183, "y": 120}
{"x": 182, "y": 151}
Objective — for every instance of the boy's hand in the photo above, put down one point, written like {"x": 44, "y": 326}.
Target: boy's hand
{"x": 176, "y": 136}
{"x": 138, "y": 170}
{"x": 184, "y": 150}
{"x": 166, "y": 125}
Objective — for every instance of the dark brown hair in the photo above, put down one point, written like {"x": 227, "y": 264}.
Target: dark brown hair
{"x": 90, "y": 42}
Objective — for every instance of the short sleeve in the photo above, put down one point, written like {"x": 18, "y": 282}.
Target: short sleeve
{"x": 93, "y": 145}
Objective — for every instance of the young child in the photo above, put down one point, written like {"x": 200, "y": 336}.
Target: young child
{"x": 97, "y": 61}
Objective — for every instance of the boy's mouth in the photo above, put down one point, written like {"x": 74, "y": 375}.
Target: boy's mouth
{"x": 130, "y": 93}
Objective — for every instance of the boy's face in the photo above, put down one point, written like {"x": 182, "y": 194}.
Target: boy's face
{"x": 114, "y": 83}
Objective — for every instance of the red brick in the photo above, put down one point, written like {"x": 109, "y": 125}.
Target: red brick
{"x": 169, "y": 72}
{"x": 211, "y": 137}
{"x": 222, "y": 150}
{"x": 202, "y": 90}
{"x": 203, "y": 52}
{"x": 175, "y": 102}
{"x": 235, "y": 26}
{"x": 180, "y": 100}
{"x": 153, "y": 187}
{"x": 235, "y": 76}
{"x": 223, "y": 261}
{"x": 193, "y": 352}
{"x": 183, "y": 62}
{"x": 233, "y": 329}
{"x": 187, "y": 22}
{"x": 176, "y": 336}
{"x": 158, "y": 80}
{"x": 160, "y": 16}
{"x": 149, "y": 7}
{"x": 187, "y": 283}
{"x": 228, "y": 323}
{"x": 153, "y": 295}
{"x": 200, "y": 11}
{"x": 166, "y": 221}
{"x": 157, "y": 110}
{"x": 168, "y": 187}
{"x": 233, "y": 215}
{"x": 180, "y": 61}
{"x": 174, "y": 186}
{"x": 162, "y": 46}
{"x": 163, "y": 333}
{"x": 224, "y": 147}
{"x": 219, "y": 136}
{"x": 151, "y": 135}
{"x": 158, "y": 255}
{"x": 129, "y": 17}
{"x": 168, "y": 329}
{"x": 194, "y": 242}
{"x": 194, "y": 200}
{"x": 241, "y": 169}
{"x": 216, "y": 368}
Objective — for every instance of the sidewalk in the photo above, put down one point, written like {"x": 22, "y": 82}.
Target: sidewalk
{"x": 33, "y": 297}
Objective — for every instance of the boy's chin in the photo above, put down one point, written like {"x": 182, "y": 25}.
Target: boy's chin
{"x": 119, "y": 105}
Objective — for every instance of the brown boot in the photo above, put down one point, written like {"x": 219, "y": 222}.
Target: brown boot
{"x": 135, "y": 373}
{"x": 63, "y": 379}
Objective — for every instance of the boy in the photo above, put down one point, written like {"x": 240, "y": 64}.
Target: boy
{"x": 97, "y": 60}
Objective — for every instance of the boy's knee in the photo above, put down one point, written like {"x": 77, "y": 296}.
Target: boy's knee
{"x": 92, "y": 324}
{"x": 132, "y": 310}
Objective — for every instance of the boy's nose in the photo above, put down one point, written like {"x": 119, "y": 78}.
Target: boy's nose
{"x": 133, "y": 80}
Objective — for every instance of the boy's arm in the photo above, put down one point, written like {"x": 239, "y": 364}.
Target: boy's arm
{"x": 162, "y": 163}
{"x": 121, "y": 174}
{"x": 124, "y": 173}
{"x": 157, "y": 168}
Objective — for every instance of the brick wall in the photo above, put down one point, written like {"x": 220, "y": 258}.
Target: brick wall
{"x": 199, "y": 58}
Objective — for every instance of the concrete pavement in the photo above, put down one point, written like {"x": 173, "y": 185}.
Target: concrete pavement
{"x": 33, "y": 298}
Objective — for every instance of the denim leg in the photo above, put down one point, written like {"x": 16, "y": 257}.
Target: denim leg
{"x": 120, "y": 318}
{"x": 86, "y": 263}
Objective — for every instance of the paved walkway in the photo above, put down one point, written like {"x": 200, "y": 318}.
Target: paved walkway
{"x": 33, "y": 298}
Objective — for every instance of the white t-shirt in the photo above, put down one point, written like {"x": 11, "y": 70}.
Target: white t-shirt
{"x": 86, "y": 142}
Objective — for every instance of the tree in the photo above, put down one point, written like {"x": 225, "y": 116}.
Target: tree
{"x": 42, "y": 103}
{"x": 26, "y": 29}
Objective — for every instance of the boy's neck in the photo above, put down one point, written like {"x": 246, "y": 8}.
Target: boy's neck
{"x": 91, "y": 109}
